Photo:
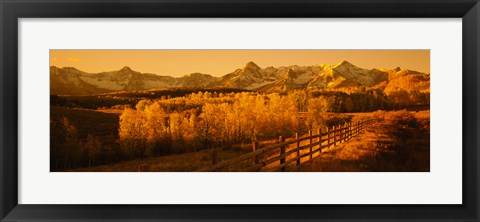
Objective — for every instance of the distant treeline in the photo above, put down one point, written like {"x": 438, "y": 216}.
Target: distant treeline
{"x": 371, "y": 100}
{"x": 334, "y": 101}
{"x": 129, "y": 99}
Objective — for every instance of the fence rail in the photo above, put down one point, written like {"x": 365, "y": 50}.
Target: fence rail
{"x": 287, "y": 157}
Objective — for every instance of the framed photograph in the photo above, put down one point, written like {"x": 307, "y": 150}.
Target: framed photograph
{"x": 226, "y": 110}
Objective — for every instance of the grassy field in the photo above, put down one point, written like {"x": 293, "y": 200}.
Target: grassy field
{"x": 187, "y": 162}
{"x": 81, "y": 137}
{"x": 101, "y": 123}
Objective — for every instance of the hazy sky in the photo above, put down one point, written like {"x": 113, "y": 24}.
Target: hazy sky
{"x": 221, "y": 62}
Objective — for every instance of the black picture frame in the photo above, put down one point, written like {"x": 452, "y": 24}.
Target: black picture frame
{"x": 11, "y": 11}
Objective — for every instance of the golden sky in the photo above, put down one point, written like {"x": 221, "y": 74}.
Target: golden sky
{"x": 221, "y": 62}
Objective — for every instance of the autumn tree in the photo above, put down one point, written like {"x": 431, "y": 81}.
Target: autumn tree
{"x": 66, "y": 147}
{"x": 93, "y": 147}
{"x": 132, "y": 137}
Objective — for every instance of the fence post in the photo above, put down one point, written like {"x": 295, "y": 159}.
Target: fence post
{"x": 255, "y": 147}
{"x": 341, "y": 133}
{"x": 346, "y": 131}
{"x": 311, "y": 142}
{"x": 143, "y": 168}
{"x": 298, "y": 150}
{"x": 345, "y": 138}
{"x": 350, "y": 130}
{"x": 282, "y": 152}
{"x": 334, "y": 136}
{"x": 319, "y": 140}
{"x": 354, "y": 128}
{"x": 214, "y": 157}
{"x": 328, "y": 137}
{"x": 358, "y": 127}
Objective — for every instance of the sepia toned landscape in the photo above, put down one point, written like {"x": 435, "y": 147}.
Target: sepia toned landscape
{"x": 239, "y": 110}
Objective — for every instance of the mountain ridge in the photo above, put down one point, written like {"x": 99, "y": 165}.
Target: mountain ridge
{"x": 72, "y": 81}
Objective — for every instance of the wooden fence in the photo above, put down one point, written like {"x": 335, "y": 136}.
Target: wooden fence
{"x": 290, "y": 154}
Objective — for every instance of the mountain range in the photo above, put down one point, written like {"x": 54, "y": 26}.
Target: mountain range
{"x": 71, "y": 81}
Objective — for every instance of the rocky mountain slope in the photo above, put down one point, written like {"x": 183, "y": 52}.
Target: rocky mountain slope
{"x": 71, "y": 81}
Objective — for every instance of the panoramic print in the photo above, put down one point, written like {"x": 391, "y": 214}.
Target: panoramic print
{"x": 239, "y": 111}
